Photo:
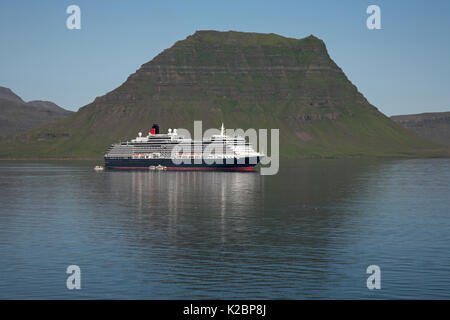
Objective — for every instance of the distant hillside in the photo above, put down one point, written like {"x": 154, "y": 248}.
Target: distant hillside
{"x": 7, "y": 94}
{"x": 17, "y": 115}
{"x": 434, "y": 126}
{"x": 246, "y": 80}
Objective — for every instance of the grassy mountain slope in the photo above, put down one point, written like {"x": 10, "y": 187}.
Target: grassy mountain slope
{"x": 246, "y": 80}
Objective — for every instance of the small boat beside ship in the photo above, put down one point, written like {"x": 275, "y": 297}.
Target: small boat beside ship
{"x": 161, "y": 151}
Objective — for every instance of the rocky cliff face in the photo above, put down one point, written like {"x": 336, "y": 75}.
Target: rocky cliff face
{"x": 226, "y": 72}
{"x": 17, "y": 115}
{"x": 434, "y": 126}
{"x": 246, "y": 80}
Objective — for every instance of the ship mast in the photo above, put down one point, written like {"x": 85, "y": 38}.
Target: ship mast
{"x": 222, "y": 130}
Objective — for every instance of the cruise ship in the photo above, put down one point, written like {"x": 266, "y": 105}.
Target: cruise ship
{"x": 171, "y": 151}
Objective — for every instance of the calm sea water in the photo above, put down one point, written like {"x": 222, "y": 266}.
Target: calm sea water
{"x": 308, "y": 232}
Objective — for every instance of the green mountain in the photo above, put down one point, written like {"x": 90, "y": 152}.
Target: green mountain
{"x": 246, "y": 80}
{"x": 17, "y": 115}
{"x": 434, "y": 126}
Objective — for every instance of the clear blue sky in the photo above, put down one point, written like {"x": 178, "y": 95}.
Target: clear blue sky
{"x": 402, "y": 68}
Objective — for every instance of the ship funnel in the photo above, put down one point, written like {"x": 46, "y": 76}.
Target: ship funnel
{"x": 155, "y": 129}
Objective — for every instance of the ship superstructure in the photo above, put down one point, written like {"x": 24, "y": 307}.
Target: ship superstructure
{"x": 175, "y": 152}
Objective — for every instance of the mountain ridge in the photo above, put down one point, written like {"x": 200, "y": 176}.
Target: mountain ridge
{"x": 8, "y": 94}
{"x": 16, "y": 115}
{"x": 434, "y": 126}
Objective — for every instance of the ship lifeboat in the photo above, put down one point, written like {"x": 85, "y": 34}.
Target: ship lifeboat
{"x": 99, "y": 168}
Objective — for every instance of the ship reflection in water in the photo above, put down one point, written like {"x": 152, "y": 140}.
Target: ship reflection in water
{"x": 308, "y": 232}
{"x": 174, "y": 200}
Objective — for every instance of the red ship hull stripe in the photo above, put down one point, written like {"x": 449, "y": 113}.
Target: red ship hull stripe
{"x": 190, "y": 168}
{"x": 206, "y": 168}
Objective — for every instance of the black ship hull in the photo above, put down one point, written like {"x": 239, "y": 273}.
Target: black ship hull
{"x": 243, "y": 164}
